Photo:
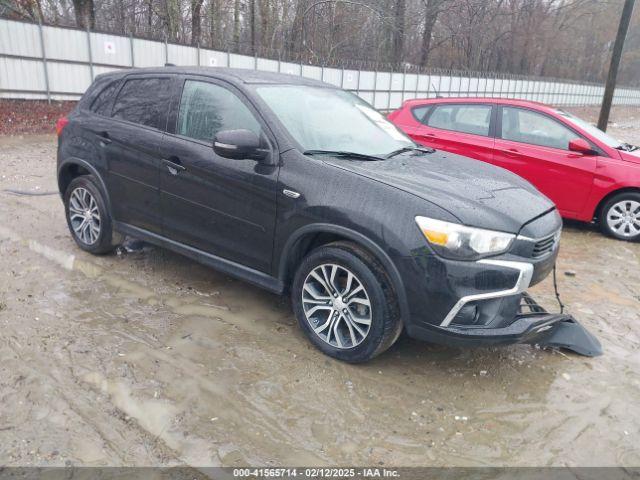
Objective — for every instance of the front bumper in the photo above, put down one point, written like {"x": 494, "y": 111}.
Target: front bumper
{"x": 481, "y": 303}
{"x": 532, "y": 325}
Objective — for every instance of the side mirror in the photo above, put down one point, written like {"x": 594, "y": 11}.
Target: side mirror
{"x": 239, "y": 145}
{"x": 580, "y": 145}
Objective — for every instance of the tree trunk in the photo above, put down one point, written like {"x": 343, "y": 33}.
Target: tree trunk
{"x": 236, "y": 23}
{"x": 173, "y": 14}
{"x": 214, "y": 21}
{"x": 429, "y": 22}
{"x": 397, "y": 42}
{"x": 264, "y": 8}
{"x": 149, "y": 13}
{"x": 252, "y": 25}
{"x": 196, "y": 21}
{"x": 85, "y": 13}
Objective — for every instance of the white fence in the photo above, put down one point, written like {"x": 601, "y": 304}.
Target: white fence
{"x": 44, "y": 62}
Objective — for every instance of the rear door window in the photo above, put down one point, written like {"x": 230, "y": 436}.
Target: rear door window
{"x": 207, "y": 108}
{"x": 474, "y": 119}
{"x": 144, "y": 101}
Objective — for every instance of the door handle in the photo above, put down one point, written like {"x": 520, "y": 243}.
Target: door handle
{"x": 104, "y": 138}
{"x": 174, "y": 165}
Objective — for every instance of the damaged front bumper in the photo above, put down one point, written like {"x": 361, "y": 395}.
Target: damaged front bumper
{"x": 532, "y": 325}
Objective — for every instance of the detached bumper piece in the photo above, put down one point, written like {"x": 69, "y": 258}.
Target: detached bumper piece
{"x": 566, "y": 333}
{"x": 532, "y": 325}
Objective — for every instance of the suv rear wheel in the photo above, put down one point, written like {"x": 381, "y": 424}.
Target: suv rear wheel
{"x": 87, "y": 216}
{"x": 620, "y": 216}
{"x": 344, "y": 303}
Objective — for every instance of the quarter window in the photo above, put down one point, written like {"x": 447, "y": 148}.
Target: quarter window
{"x": 525, "y": 126}
{"x": 206, "y": 109}
{"x": 420, "y": 113}
{"x": 144, "y": 101}
{"x": 474, "y": 119}
{"x": 102, "y": 103}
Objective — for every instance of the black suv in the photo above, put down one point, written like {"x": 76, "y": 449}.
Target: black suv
{"x": 298, "y": 186}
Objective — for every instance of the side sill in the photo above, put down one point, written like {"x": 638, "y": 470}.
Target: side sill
{"x": 223, "y": 265}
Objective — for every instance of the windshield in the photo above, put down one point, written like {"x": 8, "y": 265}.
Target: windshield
{"x": 591, "y": 129}
{"x": 331, "y": 119}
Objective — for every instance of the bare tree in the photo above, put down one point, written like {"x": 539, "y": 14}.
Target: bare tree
{"x": 561, "y": 38}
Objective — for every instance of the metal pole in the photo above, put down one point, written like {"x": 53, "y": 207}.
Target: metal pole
{"x": 390, "y": 89}
{"x": 375, "y": 81}
{"x": 44, "y": 62}
{"x": 90, "y": 54}
{"x": 198, "y": 53}
{"x": 133, "y": 60}
{"x": 166, "y": 50}
{"x": 610, "y": 87}
{"x": 404, "y": 84}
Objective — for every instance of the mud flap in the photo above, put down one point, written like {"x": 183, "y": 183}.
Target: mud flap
{"x": 570, "y": 334}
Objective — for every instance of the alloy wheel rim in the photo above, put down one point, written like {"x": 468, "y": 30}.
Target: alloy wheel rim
{"x": 624, "y": 218}
{"x": 336, "y": 306}
{"x": 84, "y": 216}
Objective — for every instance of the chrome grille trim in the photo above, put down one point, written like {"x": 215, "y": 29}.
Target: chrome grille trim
{"x": 543, "y": 246}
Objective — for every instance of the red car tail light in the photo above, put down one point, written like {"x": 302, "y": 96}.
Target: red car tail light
{"x": 60, "y": 124}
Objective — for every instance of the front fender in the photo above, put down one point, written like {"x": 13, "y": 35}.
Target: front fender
{"x": 358, "y": 238}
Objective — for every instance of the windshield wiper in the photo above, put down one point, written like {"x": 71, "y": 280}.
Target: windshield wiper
{"x": 410, "y": 149}
{"x": 626, "y": 147}
{"x": 342, "y": 153}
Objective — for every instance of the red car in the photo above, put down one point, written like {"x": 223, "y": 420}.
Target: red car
{"x": 588, "y": 174}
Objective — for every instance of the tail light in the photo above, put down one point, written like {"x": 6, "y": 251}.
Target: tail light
{"x": 60, "y": 124}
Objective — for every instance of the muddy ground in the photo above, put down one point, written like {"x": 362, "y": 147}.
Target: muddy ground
{"x": 148, "y": 358}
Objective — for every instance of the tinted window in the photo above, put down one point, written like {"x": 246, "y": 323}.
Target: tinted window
{"x": 473, "y": 119}
{"x": 206, "y": 109}
{"x": 526, "y": 126}
{"x": 102, "y": 104}
{"x": 144, "y": 101}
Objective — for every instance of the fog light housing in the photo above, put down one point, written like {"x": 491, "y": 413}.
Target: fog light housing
{"x": 468, "y": 315}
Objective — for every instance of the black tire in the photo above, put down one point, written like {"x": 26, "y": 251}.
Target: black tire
{"x": 386, "y": 324}
{"x": 104, "y": 242}
{"x": 625, "y": 232}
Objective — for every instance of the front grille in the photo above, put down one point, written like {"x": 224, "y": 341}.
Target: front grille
{"x": 545, "y": 246}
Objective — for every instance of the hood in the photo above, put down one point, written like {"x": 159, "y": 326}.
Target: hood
{"x": 630, "y": 156}
{"x": 476, "y": 193}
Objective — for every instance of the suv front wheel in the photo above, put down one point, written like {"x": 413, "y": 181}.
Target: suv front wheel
{"x": 344, "y": 303}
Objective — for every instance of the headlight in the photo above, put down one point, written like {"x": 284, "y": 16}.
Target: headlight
{"x": 459, "y": 242}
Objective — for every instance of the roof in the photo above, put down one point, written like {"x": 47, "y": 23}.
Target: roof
{"x": 233, "y": 75}
{"x": 501, "y": 101}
